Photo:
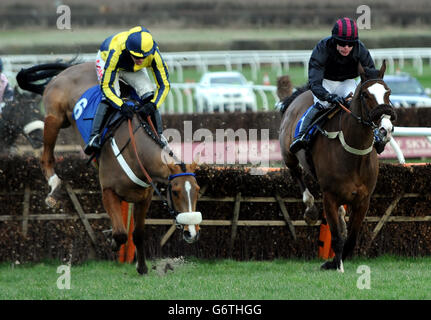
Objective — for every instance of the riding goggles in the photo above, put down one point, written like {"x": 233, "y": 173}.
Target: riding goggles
{"x": 345, "y": 43}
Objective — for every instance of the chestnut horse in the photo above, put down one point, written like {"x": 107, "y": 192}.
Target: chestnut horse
{"x": 342, "y": 160}
{"x": 126, "y": 175}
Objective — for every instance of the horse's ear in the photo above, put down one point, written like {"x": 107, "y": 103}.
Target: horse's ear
{"x": 361, "y": 72}
{"x": 173, "y": 168}
{"x": 192, "y": 167}
{"x": 382, "y": 69}
{"x": 197, "y": 158}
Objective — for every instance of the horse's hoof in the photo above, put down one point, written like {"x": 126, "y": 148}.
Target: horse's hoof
{"x": 329, "y": 265}
{"x": 341, "y": 267}
{"x": 118, "y": 240}
{"x": 332, "y": 265}
{"x": 52, "y": 202}
{"x": 311, "y": 216}
{"x": 115, "y": 246}
{"x": 142, "y": 270}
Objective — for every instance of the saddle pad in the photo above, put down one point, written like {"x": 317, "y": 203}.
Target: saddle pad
{"x": 298, "y": 125}
{"x": 85, "y": 109}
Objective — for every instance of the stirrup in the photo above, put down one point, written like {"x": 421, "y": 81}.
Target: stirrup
{"x": 298, "y": 144}
{"x": 93, "y": 145}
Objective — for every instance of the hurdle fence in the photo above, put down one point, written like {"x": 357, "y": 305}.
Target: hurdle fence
{"x": 233, "y": 223}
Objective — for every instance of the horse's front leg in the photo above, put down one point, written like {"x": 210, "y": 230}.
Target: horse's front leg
{"x": 112, "y": 205}
{"x": 333, "y": 217}
{"x": 139, "y": 214}
{"x": 47, "y": 161}
{"x": 357, "y": 215}
{"x": 311, "y": 213}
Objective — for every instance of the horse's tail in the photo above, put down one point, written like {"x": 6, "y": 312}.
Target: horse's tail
{"x": 36, "y": 78}
{"x": 285, "y": 101}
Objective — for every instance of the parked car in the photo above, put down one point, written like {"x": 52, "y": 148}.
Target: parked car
{"x": 406, "y": 91}
{"x": 225, "y": 91}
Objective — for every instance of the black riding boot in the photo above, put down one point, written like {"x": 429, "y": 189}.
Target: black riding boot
{"x": 158, "y": 122}
{"x": 157, "y": 118}
{"x": 301, "y": 141}
{"x": 94, "y": 143}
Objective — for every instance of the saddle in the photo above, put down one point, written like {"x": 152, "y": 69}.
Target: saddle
{"x": 115, "y": 118}
{"x": 316, "y": 126}
{"x": 86, "y": 107}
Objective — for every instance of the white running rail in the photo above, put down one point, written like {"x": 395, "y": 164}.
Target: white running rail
{"x": 408, "y": 132}
{"x": 202, "y": 60}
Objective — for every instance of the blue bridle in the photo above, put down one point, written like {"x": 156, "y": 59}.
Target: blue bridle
{"x": 173, "y": 176}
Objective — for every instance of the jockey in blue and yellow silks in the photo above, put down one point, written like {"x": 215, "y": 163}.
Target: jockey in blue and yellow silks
{"x": 127, "y": 55}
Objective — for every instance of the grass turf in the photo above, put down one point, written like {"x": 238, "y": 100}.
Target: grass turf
{"x": 389, "y": 278}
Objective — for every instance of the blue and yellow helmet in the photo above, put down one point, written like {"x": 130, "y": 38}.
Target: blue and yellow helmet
{"x": 140, "y": 43}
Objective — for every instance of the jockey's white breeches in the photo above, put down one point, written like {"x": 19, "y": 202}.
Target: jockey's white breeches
{"x": 340, "y": 88}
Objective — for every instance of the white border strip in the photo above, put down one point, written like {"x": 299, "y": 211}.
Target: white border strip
{"x": 125, "y": 166}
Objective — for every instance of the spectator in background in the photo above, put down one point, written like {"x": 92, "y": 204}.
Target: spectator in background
{"x": 6, "y": 92}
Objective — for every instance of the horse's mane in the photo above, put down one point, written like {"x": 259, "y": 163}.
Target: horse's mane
{"x": 289, "y": 99}
{"x": 36, "y": 78}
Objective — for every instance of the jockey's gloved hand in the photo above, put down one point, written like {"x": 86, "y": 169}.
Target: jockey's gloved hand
{"x": 335, "y": 99}
{"x": 148, "y": 109}
{"x": 127, "y": 109}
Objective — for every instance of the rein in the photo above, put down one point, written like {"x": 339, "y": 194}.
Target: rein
{"x": 172, "y": 211}
{"x": 368, "y": 123}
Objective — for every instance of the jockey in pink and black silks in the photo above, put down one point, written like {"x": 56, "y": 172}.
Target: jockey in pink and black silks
{"x": 332, "y": 69}
{"x": 128, "y": 55}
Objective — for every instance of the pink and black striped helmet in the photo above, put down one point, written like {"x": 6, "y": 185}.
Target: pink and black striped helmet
{"x": 345, "y": 29}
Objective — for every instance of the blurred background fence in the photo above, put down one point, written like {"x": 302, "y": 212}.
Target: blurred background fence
{"x": 181, "y": 99}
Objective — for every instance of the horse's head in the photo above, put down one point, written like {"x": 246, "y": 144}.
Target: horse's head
{"x": 374, "y": 96}
{"x": 183, "y": 192}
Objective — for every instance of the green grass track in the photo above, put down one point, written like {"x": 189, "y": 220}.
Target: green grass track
{"x": 385, "y": 277}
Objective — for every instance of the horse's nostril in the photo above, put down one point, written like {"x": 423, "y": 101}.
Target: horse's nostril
{"x": 187, "y": 234}
{"x": 187, "y": 237}
{"x": 383, "y": 132}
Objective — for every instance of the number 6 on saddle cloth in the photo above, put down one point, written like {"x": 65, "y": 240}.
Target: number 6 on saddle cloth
{"x": 86, "y": 107}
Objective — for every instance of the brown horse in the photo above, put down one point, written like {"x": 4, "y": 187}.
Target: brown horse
{"x": 346, "y": 170}
{"x": 121, "y": 173}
